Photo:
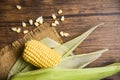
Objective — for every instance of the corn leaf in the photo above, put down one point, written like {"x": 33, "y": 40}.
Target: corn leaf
{"x": 115, "y": 64}
{"x": 68, "y": 74}
{"x": 80, "y": 61}
{"x": 68, "y": 47}
{"x": 18, "y": 66}
{"x": 49, "y": 42}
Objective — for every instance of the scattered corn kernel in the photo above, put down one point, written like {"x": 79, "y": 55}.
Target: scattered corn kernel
{"x": 25, "y": 31}
{"x": 53, "y": 24}
{"x": 31, "y": 22}
{"x": 23, "y": 24}
{"x": 14, "y": 29}
{"x": 60, "y": 11}
{"x": 40, "y": 20}
{"x": 18, "y": 7}
{"x": 61, "y": 33}
{"x": 66, "y": 34}
{"x": 18, "y": 30}
{"x": 36, "y": 24}
{"x": 40, "y": 55}
{"x": 54, "y": 16}
{"x": 62, "y": 18}
{"x": 56, "y": 22}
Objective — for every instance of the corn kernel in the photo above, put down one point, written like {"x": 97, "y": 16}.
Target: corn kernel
{"x": 53, "y": 24}
{"x": 25, "y": 31}
{"x": 30, "y": 21}
{"x": 18, "y": 30}
{"x": 36, "y": 24}
{"x": 66, "y": 34}
{"x": 14, "y": 29}
{"x": 56, "y": 22}
{"x": 23, "y": 24}
{"x": 61, "y": 33}
{"x": 60, "y": 11}
{"x": 41, "y": 20}
{"x": 54, "y": 16}
{"x": 18, "y": 7}
{"x": 62, "y": 18}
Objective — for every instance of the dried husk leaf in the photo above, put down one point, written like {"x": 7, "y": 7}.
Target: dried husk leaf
{"x": 69, "y": 74}
{"x": 50, "y": 42}
{"x": 80, "y": 61}
{"x": 68, "y": 47}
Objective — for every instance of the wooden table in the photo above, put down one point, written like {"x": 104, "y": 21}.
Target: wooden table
{"x": 80, "y": 15}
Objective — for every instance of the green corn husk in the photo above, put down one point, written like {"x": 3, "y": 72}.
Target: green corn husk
{"x": 18, "y": 67}
{"x": 65, "y": 49}
{"x": 68, "y": 47}
{"x": 69, "y": 74}
{"x": 50, "y": 43}
{"x": 80, "y": 61}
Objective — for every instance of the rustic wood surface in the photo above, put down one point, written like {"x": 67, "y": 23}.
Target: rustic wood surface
{"x": 80, "y": 15}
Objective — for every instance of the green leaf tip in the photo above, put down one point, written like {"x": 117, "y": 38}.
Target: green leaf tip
{"x": 80, "y": 61}
{"x": 72, "y": 44}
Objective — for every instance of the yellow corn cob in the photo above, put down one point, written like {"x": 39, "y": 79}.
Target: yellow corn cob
{"x": 40, "y": 55}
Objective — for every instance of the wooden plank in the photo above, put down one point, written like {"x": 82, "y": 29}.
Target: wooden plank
{"x": 80, "y": 15}
{"x": 46, "y": 8}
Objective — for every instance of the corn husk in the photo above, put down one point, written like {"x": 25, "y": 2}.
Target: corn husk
{"x": 80, "y": 61}
{"x": 68, "y": 47}
{"x": 69, "y": 74}
{"x": 50, "y": 43}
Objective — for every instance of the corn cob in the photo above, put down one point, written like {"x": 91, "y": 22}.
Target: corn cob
{"x": 40, "y": 55}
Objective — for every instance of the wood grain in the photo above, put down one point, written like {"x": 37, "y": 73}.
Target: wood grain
{"x": 80, "y": 15}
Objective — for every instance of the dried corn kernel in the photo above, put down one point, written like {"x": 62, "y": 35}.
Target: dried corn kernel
{"x": 40, "y": 55}
{"x": 18, "y": 7}
{"x": 60, "y": 11}
{"x": 40, "y": 20}
{"x": 31, "y": 22}
{"x": 56, "y": 22}
{"x": 25, "y": 31}
{"x": 62, "y": 18}
{"x": 53, "y": 24}
{"x": 54, "y": 16}
{"x": 36, "y": 24}
{"x": 14, "y": 29}
{"x": 18, "y": 30}
{"x": 23, "y": 24}
{"x": 66, "y": 34}
{"x": 61, "y": 33}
